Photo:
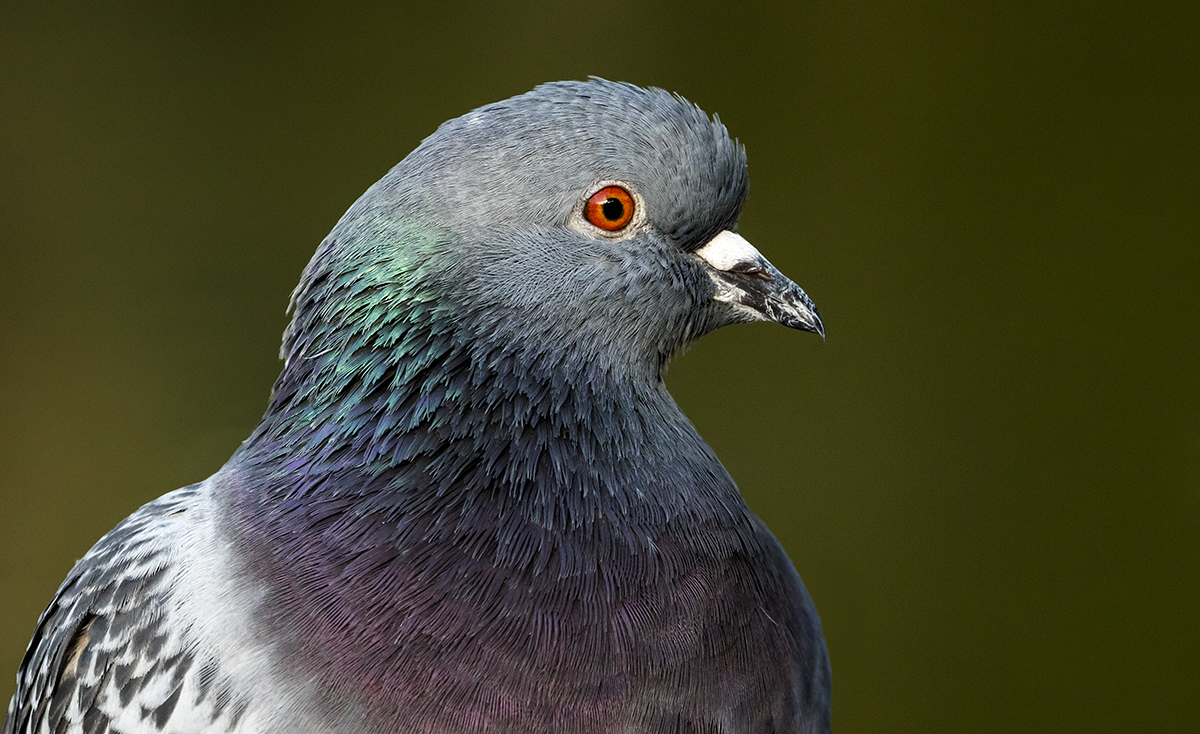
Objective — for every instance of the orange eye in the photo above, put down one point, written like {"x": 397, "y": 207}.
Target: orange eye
{"x": 610, "y": 208}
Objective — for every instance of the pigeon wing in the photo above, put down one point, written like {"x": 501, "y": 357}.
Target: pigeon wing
{"x": 105, "y": 655}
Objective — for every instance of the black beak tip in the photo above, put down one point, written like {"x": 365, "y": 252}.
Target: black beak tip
{"x": 818, "y": 325}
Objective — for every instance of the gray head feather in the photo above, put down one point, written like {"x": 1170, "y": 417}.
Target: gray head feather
{"x": 485, "y": 215}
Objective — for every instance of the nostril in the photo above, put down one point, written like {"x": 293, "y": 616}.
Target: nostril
{"x": 751, "y": 268}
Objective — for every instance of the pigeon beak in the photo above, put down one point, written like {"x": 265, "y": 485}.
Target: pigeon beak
{"x": 753, "y": 286}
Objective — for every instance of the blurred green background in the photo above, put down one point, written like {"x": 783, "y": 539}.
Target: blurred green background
{"x": 989, "y": 476}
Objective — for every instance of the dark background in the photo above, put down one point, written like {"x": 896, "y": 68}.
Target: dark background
{"x": 989, "y": 476}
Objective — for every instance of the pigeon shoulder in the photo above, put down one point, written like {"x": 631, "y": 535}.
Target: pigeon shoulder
{"x": 109, "y": 652}
{"x": 102, "y": 628}
{"x": 150, "y": 632}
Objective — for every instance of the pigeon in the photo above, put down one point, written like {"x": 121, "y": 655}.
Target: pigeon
{"x": 471, "y": 504}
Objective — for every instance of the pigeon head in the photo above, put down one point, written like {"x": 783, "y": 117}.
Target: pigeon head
{"x": 583, "y": 221}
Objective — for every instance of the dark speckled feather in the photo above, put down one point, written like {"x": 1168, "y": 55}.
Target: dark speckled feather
{"x": 472, "y": 506}
{"x": 106, "y": 649}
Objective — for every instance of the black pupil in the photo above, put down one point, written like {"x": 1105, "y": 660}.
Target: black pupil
{"x": 613, "y": 209}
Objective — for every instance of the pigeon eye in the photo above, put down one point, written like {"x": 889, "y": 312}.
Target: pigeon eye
{"x": 610, "y": 208}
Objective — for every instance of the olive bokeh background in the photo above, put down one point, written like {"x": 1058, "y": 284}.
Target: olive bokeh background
{"x": 989, "y": 476}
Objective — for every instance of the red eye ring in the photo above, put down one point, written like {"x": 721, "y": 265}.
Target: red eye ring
{"x": 610, "y": 208}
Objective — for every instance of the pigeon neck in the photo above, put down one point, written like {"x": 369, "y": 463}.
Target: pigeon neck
{"x": 401, "y": 417}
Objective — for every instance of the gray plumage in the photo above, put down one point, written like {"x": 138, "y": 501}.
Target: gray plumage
{"x": 471, "y": 505}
